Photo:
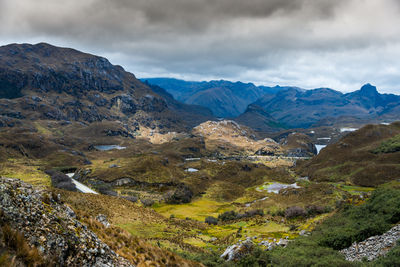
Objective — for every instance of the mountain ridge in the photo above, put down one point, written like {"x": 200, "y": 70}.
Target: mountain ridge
{"x": 43, "y": 81}
{"x": 225, "y": 98}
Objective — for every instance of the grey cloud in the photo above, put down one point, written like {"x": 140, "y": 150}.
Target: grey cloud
{"x": 301, "y": 42}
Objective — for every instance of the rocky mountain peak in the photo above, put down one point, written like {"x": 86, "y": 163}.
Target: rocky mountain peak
{"x": 368, "y": 90}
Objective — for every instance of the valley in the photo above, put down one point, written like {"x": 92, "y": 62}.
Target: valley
{"x": 165, "y": 183}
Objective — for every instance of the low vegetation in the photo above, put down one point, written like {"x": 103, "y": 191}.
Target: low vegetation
{"x": 350, "y": 224}
{"x": 389, "y": 146}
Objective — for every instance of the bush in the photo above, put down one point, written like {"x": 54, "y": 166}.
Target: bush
{"x": 61, "y": 181}
{"x": 227, "y": 216}
{"x": 106, "y": 189}
{"x": 131, "y": 198}
{"x": 252, "y": 213}
{"x": 294, "y": 212}
{"x": 314, "y": 210}
{"x": 147, "y": 202}
{"x": 211, "y": 220}
{"x": 389, "y": 146}
{"x": 182, "y": 194}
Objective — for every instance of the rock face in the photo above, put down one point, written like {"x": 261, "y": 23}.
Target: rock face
{"x": 52, "y": 83}
{"x": 372, "y": 247}
{"x": 52, "y": 227}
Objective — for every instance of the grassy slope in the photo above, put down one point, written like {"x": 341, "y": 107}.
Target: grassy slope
{"x": 352, "y": 159}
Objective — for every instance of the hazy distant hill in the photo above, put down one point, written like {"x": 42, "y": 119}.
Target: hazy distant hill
{"x": 224, "y": 98}
{"x": 296, "y": 107}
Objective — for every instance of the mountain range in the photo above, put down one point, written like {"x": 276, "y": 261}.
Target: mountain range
{"x": 302, "y": 108}
{"x": 226, "y": 99}
{"x": 276, "y": 108}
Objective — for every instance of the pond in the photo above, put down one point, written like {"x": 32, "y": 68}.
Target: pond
{"x": 275, "y": 187}
{"x": 109, "y": 147}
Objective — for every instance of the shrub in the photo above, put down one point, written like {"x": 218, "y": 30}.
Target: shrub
{"x": 294, "y": 212}
{"x": 61, "y": 181}
{"x": 252, "y": 213}
{"x": 147, "y": 202}
{"x": 313, "y": 210}
{"x": 356, "y": 223}
{"x": 182, "y": 194}
{"x": 389, "y": 146}
{"x": 106, "y": 189}
{"x": 211, "y": 220}
{"x": 131, "y": 198}
{"x": 227, "y": 216}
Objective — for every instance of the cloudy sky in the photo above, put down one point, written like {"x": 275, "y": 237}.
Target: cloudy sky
{"x": 340, "y": 44}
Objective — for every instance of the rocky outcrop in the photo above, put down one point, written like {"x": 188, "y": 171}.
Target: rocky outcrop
{"x": 229, "y": 135}
{"x": 238, "y": 251}
{"x": 52, "y": 227}
{"x": 372, "y": 247}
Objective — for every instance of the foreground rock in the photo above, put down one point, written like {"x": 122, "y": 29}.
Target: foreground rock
{"x": 373, "y": 247}
{"x": 52, "y": 227}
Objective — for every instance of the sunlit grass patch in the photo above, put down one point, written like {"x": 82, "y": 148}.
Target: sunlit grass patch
{"x": 353, "y": 189}
{"x": 27, "y": 171}
{"x": 151, "y": 230}
{"x": 198, "y": 209}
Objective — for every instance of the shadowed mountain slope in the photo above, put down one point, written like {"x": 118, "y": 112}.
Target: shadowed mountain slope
{"x": 46, "y": 82}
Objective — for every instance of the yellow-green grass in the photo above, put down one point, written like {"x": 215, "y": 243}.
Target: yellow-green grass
{"x": 198, "y": 209}
{"x": 310, "y": 224}
{"x": 27, "y": 171}
{"x": 150, "y": 230}
{"x": 353, "y": 189}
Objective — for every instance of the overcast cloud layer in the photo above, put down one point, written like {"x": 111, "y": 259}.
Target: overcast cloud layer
{"x": 340, "y": 44}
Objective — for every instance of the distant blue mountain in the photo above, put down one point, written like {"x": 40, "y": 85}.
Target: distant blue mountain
{"x": 294, "y": 107}
{"x": 225, "y": 99}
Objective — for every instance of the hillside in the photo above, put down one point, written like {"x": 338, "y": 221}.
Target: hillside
{"x": 367, "y": 157}
{"x": 192, "y": 115}
{"x": 52, "y": 83}
{"x": 259, "y": 120}
{"x": 225, "y": 99}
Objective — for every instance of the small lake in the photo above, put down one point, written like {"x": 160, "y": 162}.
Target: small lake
{"x": 275, "y": 187}
{"x": 348, "y": 129}
{"x": 109, "y": 147}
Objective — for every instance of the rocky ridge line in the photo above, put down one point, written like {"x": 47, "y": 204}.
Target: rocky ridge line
{"x": 52, "y": 227}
